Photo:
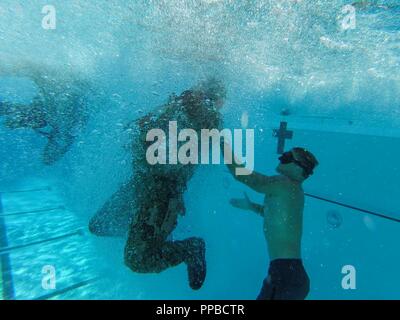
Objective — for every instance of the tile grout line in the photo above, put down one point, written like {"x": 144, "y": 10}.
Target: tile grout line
{"x": 6, "y": 273}
{"x": 7, "y": 250}
{"x": 67, "y": 289}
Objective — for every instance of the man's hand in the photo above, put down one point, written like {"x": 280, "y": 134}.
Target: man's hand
{"x": 242, "y": 203}
{"x": 246, "y": 204}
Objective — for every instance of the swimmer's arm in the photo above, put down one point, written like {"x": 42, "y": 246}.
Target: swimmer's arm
{"x": 43, "y": 133}
{"x": 3, "y": 109}
{"x": 257, "y": 208}
{"x": 16, "y": 67}
{"x": 246, "y": 204}
{"x": 254, "y": 180}
{"x": 7, "y": 108}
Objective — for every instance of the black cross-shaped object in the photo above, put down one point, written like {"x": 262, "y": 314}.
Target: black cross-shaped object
{"x": 282, "y": 134}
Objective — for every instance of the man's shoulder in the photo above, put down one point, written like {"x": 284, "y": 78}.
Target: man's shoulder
{"x": 273, "y": 183}
{"x": 285, "y": 182}
{"x": 278, "y": 179}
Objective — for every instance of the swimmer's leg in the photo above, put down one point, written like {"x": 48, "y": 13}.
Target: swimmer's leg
{"x": 57, "y": 146}
{"x": 154, "y": 258}
{"x": 16, "y": 115}
{"x": 287, "y": 280}
{"x": 4, "y": 109}
{"x": 147, "y": 250}
{"x": 267, "y": 291}
{"x": 113, "y": 219}
{"x": 7, "y": 108}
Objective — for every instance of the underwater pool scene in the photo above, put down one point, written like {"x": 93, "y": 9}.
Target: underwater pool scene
{"x": 107, "y": 188}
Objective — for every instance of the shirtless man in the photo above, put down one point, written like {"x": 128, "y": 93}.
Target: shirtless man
{"x": 148, "y": 205}
{"x": 283, "y": 222}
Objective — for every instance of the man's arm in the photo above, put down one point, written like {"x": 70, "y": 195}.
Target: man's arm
{"x": 256, "y": 181}
{"x": 44, "y": 133}
{"x": 4, "y": 109}
{"x": 7, "y": 108}
{"x": 258, "y": 208}
{"x": 246, "y": 204}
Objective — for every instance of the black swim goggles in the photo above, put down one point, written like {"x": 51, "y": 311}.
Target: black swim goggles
{"x": 288, "y": 157}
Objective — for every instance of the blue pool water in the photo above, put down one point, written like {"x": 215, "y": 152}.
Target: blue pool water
{"x": 281, "y": 61}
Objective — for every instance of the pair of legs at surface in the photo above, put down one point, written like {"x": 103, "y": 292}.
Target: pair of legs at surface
{"x": 35, "y": 117}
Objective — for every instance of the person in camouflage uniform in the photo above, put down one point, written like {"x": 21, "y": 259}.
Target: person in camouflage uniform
{"x": 148, "y": 205}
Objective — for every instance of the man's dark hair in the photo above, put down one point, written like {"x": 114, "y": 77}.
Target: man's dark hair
{"x": 307, "y": 159}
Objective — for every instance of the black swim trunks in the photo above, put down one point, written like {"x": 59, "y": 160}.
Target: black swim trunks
{"x": 287, "y": 280}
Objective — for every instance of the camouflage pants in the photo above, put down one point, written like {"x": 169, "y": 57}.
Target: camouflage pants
{"x": 147, "y": 254}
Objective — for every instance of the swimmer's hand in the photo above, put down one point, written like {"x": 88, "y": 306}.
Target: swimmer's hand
{"x": 244, "y": 203}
